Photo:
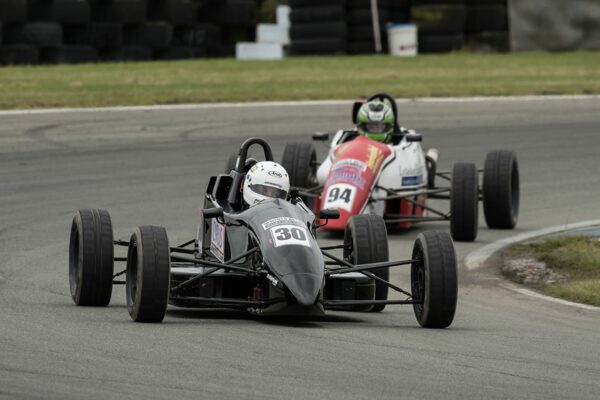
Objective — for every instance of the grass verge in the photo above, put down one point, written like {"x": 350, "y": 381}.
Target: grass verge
{"x": 458, "y": 74}
{"x": 576, "y": 260}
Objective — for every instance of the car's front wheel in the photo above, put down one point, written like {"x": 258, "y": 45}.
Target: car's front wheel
{"x": 434, "y": 279}
{"x": 148, "y": 273}
{"x": 501, "y": 189}
{"x": 464, "y": 202}
{"x": 366, "y": 242}
{"x": 300, "y": 161}
{"x": 91, "y": 263}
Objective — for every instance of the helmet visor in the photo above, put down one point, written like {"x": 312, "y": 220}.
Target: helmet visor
{"x": 376, "y": 127}
{"x": 269, "y": 191}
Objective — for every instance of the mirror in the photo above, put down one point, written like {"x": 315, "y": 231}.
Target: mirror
{"x": 414, "y": 137}
{"x": 329, "y": 214}
{"x": 320, "y": 136}
{"x": 212, "y": 213}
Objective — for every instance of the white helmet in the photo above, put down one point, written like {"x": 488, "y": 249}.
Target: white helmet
{"x": 266, "y": 179}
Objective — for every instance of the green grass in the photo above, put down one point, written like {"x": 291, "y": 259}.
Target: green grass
{"x": 577, "y": 258}
{"x": 459, "y": 74}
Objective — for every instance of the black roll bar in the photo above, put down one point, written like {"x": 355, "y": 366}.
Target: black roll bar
{"x": 238, "y": 173}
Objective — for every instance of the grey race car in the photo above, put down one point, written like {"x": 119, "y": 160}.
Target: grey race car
{"x": 264, "y": 259}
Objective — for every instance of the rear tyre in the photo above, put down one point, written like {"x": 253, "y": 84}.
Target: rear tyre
{"x": 300, "y": 160}
{"x": 464, "y": 202}
{"x": 367, "y": 235}
{"x": 148, "y": 272}
{"x": 433, "y": 279}
{"x": 501, "y": 189}
{"x": 91, "y": 258}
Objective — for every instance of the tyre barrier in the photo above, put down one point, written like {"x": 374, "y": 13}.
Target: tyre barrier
{"x": 75, "y": 31}
{"x": 443, "y": 25}
{"x": 360, "y": 26}
{"x": 79, "y": 31}
{"x": 318, "y": 27}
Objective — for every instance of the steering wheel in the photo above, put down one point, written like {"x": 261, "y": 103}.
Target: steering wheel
{"x": 386, "y": 98}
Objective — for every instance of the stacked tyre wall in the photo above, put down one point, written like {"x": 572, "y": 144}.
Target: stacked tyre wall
{"x": 72, "y": 31}
{"x": 443, "y": 25}
{"x": 318, "y": 27}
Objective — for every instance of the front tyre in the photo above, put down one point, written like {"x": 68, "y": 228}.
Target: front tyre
{"x": 300, "y": 161}
{"x": 367, "y": 236}
{"x": 434, "y": 279}
{"x": 148, "y": 273}
{"x": 464, "y": 202}
{"x": 91, "y": 264}
{"x": 501, "y": 189}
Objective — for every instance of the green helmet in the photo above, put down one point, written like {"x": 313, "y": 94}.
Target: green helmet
{"x": 376, "y": 120}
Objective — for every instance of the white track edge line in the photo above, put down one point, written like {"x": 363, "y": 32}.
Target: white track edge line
{"x": 531, "y": 293}
{"x": 479, "y": 257}
{"x": 199, "y": 106}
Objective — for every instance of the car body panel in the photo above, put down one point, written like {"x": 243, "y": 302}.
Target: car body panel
{"x": 362, "y": 188}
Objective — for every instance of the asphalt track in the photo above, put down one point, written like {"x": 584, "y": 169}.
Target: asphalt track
{"x": 152, "y": 167}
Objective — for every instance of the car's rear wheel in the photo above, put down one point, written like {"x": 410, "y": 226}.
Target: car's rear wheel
{"x": 433, "y": 279}
{"x": 300, "y": 161}
{"x": 366, "y": 237}
{"x": 464, "y": 202}
{"x": 501, "y": 189}
{"x": 91, "y": 264}
{"x": 148, "y": 272}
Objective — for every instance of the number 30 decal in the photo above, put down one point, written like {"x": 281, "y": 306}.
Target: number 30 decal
{"x": 340, "y": 195}
{"x": 284, "y": 235}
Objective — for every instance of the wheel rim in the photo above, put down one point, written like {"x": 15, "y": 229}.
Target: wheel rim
{"x": 417, "y": 278}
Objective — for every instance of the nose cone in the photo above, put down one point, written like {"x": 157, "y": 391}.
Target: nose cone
{"x": 304, "y": 287}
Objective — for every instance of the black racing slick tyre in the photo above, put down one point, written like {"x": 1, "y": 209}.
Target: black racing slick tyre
{"x": 366, "y": 236}
{"x": 300, "y": 160}
{"x": 464, "y": 202}
{"x": 318, "y": 46}
{"x": 318, "y": 30}
{"x": 317, "y": 14}
{"x": 42, "y": 34}
{"x": 62, "y": 11}
{"x": 91, "y": 263}
{"x": 148, "y": 273}
{"x": 501, "y": 189}
{"x": 434, "y": 279}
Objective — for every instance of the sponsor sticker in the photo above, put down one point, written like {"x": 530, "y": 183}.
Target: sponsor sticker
{"x": 217, "y": 240}
{"x": 340, "y": 195}
{"x": 375, "y": 158}
{"x": 286, "y": 235}
{"x": 346, "y": 175}
{"x": 412, "y": 180}
{"x": 281, "y": 221}
{"x": 410, "y": 171}
{"x": 350, "y": 163}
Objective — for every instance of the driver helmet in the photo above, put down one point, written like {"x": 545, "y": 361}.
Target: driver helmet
{"x": 376, "y": 121}
{"x": 265, "y": 180}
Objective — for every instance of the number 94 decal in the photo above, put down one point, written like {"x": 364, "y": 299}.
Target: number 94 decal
{"x": 340, "y": 195}
{"x": 285, "y": 235}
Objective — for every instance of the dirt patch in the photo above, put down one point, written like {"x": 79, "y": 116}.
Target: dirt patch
{"x": 565, "y": 267}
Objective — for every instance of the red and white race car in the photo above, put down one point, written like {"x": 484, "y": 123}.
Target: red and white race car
{"x": 395, "y": 181}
